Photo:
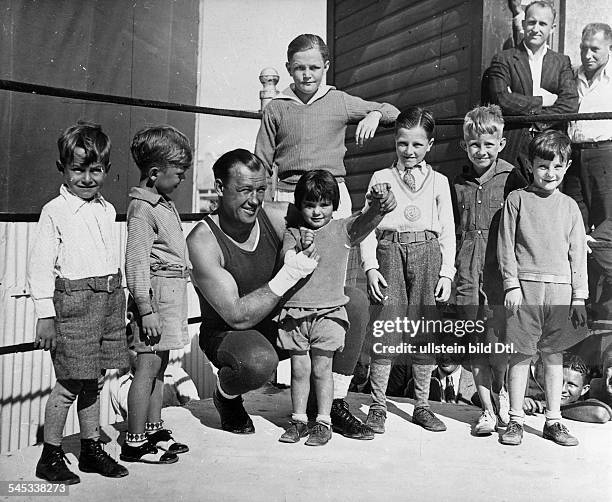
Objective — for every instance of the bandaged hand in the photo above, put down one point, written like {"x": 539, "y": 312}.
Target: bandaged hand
{"x": 296, "y": 267}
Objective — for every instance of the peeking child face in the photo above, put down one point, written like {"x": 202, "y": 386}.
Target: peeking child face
{"x": 82, "y": 179}
{"x": 307, "y": 68}
{"x": 316, "y": 214}
{"x": 574, "y": 386}
{"x": 548, "y": 174}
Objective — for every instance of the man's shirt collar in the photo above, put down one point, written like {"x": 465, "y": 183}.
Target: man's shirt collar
{"x": 539, "y": 54}
{"x": 604, "y": 71}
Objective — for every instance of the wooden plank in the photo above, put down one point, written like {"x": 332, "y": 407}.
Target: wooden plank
{"x": 412, "y": 76}
{"x": 458, "y": 39}
{"x": 431, "y": 30}
{"x": 357, "y": 19}
{"x": 345, "y": 8}
{"x": 402, "y": 21}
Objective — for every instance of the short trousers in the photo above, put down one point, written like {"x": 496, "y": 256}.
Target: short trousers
{"x": 321, "y": 330}
{"x": 169, "y": 300}
{"x": 90, "y": 329}
{"x": 542, "y": 322}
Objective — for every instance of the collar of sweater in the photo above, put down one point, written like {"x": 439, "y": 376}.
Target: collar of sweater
{"x": 289, "y": 94}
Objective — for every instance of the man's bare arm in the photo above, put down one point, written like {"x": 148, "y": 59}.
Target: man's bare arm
{"x": 219, "y": 287}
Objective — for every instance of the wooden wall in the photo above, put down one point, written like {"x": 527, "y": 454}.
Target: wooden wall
{"x": 412, "y": 52}
{"x": 142, "y": 48}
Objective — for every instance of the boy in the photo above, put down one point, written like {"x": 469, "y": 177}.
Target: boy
{"x": 156, "y": 269}
{"x": 542, "y": 258}
{"x": 313, "y": 321}
{"x": 478, "y": 195}
{"x": 75, "y": 282}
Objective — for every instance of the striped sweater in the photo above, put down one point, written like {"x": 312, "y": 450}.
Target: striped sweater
{"x": 155, "y": 237}
{"x": 296, "y": 137}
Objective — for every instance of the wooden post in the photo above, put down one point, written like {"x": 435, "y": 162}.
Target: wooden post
{"x": 268, "y": 78}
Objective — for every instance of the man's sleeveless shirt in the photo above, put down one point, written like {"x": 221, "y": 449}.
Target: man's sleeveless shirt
{"x": 250, "y": 269}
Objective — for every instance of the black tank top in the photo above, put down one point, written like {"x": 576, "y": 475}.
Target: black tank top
{"x": 250, "y": 269}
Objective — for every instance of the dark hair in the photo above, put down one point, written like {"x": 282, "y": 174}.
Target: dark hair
{"x": 416, "y": 116}
{"x": 542, "y": 3}
{"x": 593, "y": 29}
{"x": 89, "y": 137}
{"x": 576, "y": 363}
{"x": 317, "y": 185}
{"x": 548, "y": 144}
{"x": 305, "y": 42}
{"x": 222, "y": 166}
{"x": 160, "y": 146}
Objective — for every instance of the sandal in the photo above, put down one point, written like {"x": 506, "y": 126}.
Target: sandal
{"x": 163, "y": 439}
{"x": 146, "y": 453}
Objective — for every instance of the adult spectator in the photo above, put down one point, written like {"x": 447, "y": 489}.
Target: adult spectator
{"x": 239, "y": 285}
{"x": 531, "y": 79}
{"x": 589, "y": 179}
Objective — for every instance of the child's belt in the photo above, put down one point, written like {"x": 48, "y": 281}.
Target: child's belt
{"x": 107, "y": 283}
{"x": 169, "y": 270}
{"x": 406, "y": 237}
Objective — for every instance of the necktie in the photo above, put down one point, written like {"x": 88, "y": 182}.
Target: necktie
{"x": 409, "y": 179}
{"x": 449, "y": 392}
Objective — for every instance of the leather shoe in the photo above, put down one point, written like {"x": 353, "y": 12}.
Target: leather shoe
{"x": 425, "y": 418}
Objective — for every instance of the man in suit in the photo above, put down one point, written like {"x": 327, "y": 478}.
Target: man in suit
{"x": 450, "y": 383}
{"x": 530, "y": 79}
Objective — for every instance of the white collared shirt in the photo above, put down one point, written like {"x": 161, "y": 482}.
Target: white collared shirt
{"x": 596, "y": 97}
{"x": 74, "y": 239}
{"x": 535, "y": 65}
{"x": 288, "y": 93}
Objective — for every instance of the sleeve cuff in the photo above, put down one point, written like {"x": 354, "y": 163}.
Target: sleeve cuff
{"x": 580, "y": 294}
{"x": 447, "y": 271}
{"x": 44, "y": 308}
{"x": 511, "y": 283}
{"x": 369, "y": 264}
{"x": 144, "y": 306}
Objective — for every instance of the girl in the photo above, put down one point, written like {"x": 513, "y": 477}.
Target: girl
{"x": 304, "y": 127}
{"x": 156, "y": 272}
{"x": 417, "y": 238}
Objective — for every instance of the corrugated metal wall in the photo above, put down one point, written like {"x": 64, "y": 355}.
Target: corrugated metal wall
{"x": 27, "y": 378}
{"x": 405, "y": 52}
